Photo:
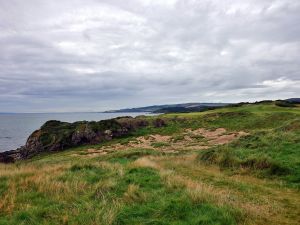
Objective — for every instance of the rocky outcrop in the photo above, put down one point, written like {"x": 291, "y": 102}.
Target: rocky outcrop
{"x": 10, "y": 156}
{"x": 57, "y": 136}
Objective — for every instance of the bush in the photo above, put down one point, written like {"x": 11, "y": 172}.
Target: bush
{"x": 223, "y": 158}
{"x": 284, "y": 104}
{"x": 267, "y": 164}
{"x": 227, "y": 158}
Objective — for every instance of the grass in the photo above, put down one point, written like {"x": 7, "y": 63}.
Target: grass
{"x": 252, "y": 180}
{"x": 269, "y": 153}
{"x": 160, "y": 144}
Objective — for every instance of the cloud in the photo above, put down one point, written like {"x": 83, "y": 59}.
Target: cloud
{"x": 96, "y": 55}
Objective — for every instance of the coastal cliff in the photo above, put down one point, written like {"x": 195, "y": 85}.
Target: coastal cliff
{"x": 56, "y": 136}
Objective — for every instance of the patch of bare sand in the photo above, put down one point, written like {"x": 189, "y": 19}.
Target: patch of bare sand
{"x": 207, "y": 133}
{"x": 146, "y": 142}
{"x": 218, "y": 136}
{"x": 197, "y": 147}
{"x": 160, "y": 138}
{"x": 190, "y": 141}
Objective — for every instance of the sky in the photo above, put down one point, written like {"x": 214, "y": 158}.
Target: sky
{"x": 95, "y": 55}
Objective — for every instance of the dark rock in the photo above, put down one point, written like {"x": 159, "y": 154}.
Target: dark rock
{"x": 84, "y": 135}
{"x": 10, "y": 156}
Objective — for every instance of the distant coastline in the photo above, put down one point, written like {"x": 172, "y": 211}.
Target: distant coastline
{"x": 156, "y": 108}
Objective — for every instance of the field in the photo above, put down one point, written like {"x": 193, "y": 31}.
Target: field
{"x": 235, "y": 165}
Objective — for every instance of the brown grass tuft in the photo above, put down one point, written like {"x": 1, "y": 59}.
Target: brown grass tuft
{"x": 134, "y": 194}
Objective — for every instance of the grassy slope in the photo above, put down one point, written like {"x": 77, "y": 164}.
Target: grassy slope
{"x": 253, "y": 180}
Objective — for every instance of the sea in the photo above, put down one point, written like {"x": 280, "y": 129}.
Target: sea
{"x": 15, "y": 128}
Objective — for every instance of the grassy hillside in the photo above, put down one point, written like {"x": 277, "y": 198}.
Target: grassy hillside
{"x": 235, "y": 165}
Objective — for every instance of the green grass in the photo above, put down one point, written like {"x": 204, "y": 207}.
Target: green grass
{"x": 252, "y": 180}
{"x": 172, "y": 206}
{"x": 3, "y": 185}
{"x": 99, "y": 185}
{"x": 269, "y": 153}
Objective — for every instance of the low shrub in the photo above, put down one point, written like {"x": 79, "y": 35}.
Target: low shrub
{"x": 284, "y": 104}
{"x": 226, "y": 158}
{"x": 265, "y": 163}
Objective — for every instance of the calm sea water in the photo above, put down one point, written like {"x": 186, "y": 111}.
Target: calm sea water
{"x": 15, "y": 128}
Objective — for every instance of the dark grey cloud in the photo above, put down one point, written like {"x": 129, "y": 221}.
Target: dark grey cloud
{"x": 92, "y": 55}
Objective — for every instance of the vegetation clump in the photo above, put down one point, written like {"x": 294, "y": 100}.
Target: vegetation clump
{"x": 281, "y": 103}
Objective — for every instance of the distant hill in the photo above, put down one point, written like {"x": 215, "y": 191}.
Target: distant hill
{"x": 293, "y": 100}
{"x": 198, "y": 107}
{"x": 184, "y": 107}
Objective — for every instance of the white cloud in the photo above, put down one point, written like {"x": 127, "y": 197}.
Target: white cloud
{"x": 108, "y": 54}
{"x": 281, "y": 83}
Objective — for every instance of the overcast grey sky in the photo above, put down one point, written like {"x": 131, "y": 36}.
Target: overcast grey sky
{"x": 93, "y": 55}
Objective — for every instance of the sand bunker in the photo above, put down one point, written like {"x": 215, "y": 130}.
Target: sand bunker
{"x": 198, "y": 139}
{"x": 218, "y": 136}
